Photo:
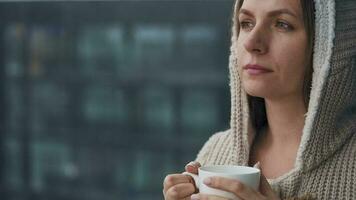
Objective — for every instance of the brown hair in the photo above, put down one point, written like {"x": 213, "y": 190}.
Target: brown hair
{"x": 256, "y": 105}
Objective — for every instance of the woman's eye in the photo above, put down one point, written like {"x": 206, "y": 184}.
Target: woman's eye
{"x": 284, "y": 26}
{"x": 246, "y": 25}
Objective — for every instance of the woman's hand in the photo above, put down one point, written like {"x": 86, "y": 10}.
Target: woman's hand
{"x": 240, "y": 190}
{"x": 180, "y": 186}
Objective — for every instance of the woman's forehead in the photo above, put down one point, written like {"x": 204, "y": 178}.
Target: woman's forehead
{"x": 291, "y": 7}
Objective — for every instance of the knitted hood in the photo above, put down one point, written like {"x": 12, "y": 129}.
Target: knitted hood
{"x": 331, "y": 117}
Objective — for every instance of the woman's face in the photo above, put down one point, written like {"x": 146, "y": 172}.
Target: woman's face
{"x": 271, "y": 48}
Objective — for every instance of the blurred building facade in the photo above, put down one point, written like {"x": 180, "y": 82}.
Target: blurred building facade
{"x": 100, "y": 100}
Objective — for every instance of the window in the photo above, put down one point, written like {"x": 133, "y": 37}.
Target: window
{"x": 100, "y": 100}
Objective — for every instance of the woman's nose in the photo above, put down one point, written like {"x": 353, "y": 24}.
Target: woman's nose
{"x": 256, "y": 41}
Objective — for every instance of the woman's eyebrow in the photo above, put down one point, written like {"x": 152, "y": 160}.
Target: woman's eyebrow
{"x": 282, "y": 11}
{"x": 245, "y": 11}
{"x": 271, "y": 13}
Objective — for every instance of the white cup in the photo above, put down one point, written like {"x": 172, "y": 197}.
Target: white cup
{"x": 249, "y": 176}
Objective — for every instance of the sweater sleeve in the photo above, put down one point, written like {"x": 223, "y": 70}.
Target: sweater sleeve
{"x": 208, "y": 148}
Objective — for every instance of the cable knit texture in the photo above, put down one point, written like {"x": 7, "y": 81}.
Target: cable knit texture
{"x": 325, "y": 166}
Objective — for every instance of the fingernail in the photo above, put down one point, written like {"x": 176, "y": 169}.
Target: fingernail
{"x": 190, "y": 164}
{"x": 194, "y": 197}
{"x": 207, "y": 181}
{"x": 257, "y": 165}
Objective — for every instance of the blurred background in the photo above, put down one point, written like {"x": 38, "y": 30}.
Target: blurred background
{"x": 100, "y": 100}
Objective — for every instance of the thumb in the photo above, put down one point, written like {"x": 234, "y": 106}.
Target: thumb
{"x": 192, "y": 167}
{"x": 265, "y": 187}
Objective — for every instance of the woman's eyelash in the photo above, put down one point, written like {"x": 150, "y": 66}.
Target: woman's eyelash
{"x": 246, "y": 24}
{"x": 284, "y": 25}
{"x": 279, "y": 24}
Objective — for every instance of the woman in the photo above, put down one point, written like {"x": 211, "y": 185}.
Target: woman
{"x": 293, "y": 110}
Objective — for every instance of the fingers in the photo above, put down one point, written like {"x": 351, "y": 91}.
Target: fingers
{"x": 179, "y": 191}
{"x": 174, "y": 179}
{"x": 180, "y": 186}
{"x": 192, "y": 167}
{"x": 233, "y": 186}
{"x": 206, "y": 197}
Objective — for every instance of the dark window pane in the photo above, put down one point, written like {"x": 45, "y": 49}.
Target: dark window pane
{"x": 101, "y": 100}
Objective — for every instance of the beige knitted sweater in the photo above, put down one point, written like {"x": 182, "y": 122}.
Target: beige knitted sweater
{"x": 325, "y": 167}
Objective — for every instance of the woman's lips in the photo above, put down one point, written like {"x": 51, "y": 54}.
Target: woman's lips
{"x": 256, "y": 69}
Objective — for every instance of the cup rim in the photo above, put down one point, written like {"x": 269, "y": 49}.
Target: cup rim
{"x": 251, "y": 170}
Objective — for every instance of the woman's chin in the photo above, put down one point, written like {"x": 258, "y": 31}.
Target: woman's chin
{"x": 256, "y": 94}
{"x": 261, "y": 91}
{"x": 260, "y": 87}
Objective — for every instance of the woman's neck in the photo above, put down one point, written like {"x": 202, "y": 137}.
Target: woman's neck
{"x": 285, "y": 119}
{"x": 277, "y": 145}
